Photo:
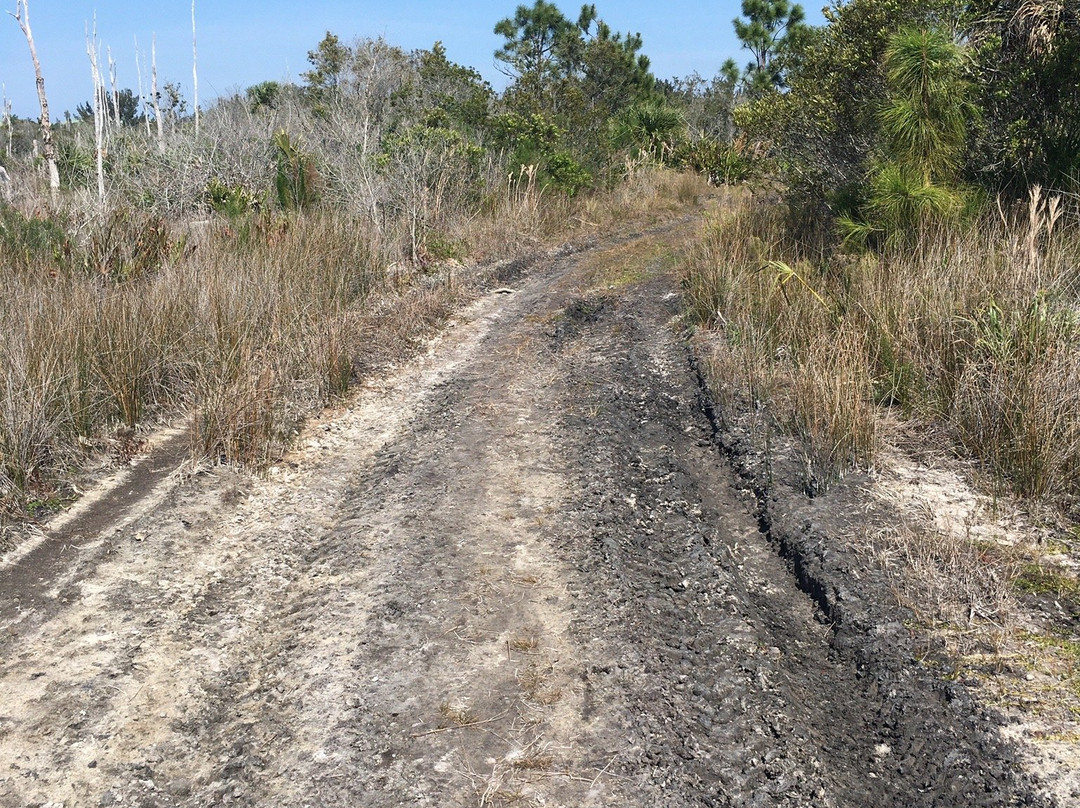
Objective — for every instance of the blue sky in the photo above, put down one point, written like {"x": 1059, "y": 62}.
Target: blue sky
{"x": 242, "y": 42}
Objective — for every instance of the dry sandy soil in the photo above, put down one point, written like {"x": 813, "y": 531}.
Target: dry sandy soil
{"x": 518, "y": 570}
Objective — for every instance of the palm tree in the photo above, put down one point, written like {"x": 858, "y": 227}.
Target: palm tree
{"x": 650, "y": 126}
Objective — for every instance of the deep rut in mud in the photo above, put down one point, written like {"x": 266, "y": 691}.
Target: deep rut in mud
{"x": 519, "y": 571}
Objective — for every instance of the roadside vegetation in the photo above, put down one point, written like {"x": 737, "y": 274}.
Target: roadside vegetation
{"x": 908, "y": 241}
{"x": 916, "y": 250}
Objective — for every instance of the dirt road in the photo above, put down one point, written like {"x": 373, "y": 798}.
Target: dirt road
{"x": 516, "y": 571}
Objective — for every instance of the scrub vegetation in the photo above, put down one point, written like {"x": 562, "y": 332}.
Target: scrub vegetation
{"x": 918, "y": 250}
{"x": 244, "y": 267}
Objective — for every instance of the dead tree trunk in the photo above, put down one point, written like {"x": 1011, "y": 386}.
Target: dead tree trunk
{"x": 195, "y": 69}
{"x": 7, "y": 119}
{"x": 22, "y": 17}
{"x": 142, "y": 98}
{"x": 99, "y": 113}
{"x": 115, "y": 90}
{"x": 155, "y": 97}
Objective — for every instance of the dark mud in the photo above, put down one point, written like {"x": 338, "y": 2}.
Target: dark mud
{"x": 759, "y": 658}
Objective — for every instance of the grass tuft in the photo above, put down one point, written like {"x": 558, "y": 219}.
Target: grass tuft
{"x": 977, "y": 328}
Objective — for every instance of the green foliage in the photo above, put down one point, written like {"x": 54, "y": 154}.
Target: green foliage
{"x": 923, "y": 126}
{"x": 231, "y": 200}
{"x": 33, "y": 242}
{"x": 825, "y": 130}
{"x": 773, "y": 31}
{"x": 722, "y": 163}
{"x": 525, "y": 133}
{"x": 263, "y": 95}
{"x": 296, "y": 180}
{"x": 75, "y": 160}
{"x": 533, "y": 140}
{"x": 649, "y": 127}
{"x": 1019, "y": 337}
{"x": 537, "y": 42}
{"x": 1017, "y": 397}
{"x": 127, "y": 244}
{"x": 577, "y": 75}
{"x": 900, "y": 205}
{"x": 125, "y": 104}
{"x": 329, "y": 61}
{"x": 1027, "y": 66}
{"x": 173, "y": 103}
{"x": 897, "y": 382}
{"x": 438, "y": 154}
{"x": 453, "y": 96}
{"x": 430, "y": 171}
{"x": 925, "y": 117}
{"x": 886, "y": 80}
{"x": 611, "y": 69}
{"x": 564, "y": 173}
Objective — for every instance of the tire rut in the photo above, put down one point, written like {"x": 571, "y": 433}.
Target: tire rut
{"x": 735, "y": 693}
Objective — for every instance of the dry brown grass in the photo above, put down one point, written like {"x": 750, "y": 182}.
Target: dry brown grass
{"x": 537, "y": 683}
{"x": 457, "y": 714}
{"x": 246, "y": 324}
{"x": 977, "y": 328}
{"x": 961, "y": 589}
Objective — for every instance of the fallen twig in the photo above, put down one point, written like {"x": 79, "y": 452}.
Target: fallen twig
{"x": 460, "y": 726}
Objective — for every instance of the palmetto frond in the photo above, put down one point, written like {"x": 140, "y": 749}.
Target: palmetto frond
{"x": 1038, "y": 22}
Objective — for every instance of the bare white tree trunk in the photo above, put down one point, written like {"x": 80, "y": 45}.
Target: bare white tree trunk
{"x": 155, "y": 96}
{"x": 195, "y": 68}
{"x": 115, "y": 91}
{"x": 7, "y": 118}
{"x": 99, "y": 113}
{"x": 22, "y": 17}
{"x": 142, "y": 98}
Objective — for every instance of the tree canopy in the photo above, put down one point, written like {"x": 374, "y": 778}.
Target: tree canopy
{"x": 773, "y": 30}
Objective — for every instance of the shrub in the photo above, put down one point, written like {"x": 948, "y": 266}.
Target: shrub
{"x": 129, "y": 244}
{"x": 721, "y": 163}
{"x": 230, "y": 200}
{"x": 296, "y": 180}
{"x": 33, "y": 242}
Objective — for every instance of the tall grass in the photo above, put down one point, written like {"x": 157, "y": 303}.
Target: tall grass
{"x": 975, "y": 327}
{"x": 243, "y": 324}
{"x": 248, "y": 331}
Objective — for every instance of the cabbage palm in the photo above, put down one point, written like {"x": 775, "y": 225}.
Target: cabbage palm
{"x": 650, "y": 126}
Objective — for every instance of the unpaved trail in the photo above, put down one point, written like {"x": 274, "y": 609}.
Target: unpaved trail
{"x": 516, "y": 571}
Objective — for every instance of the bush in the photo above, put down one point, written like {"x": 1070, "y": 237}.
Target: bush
{"x": 130, "y": 244}
{"x": 230, "y": 200}
{"x": 562, "y": 172}
{"x": 720, "y": 163}
{"x": 296, "y": 181}
{"x": 33, "y": 242}
{"x": 976, "y": 329}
